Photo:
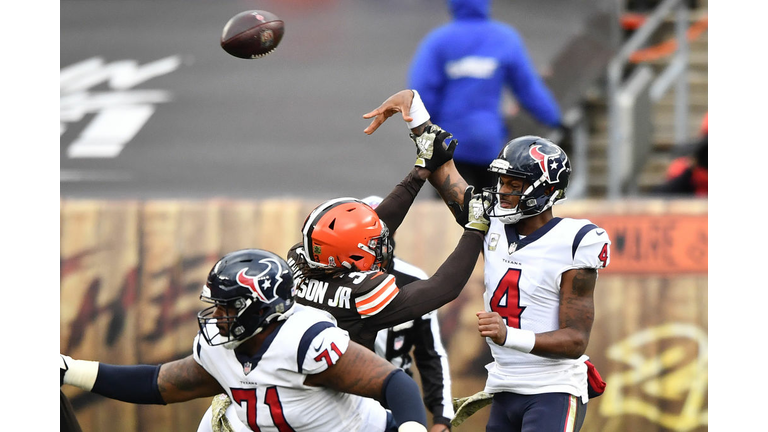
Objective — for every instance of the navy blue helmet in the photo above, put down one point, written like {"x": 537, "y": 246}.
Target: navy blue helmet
{"x": 542, "y": 165}
{"x": 250, "y": 288}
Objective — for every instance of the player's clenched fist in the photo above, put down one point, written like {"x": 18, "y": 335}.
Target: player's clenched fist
{"x": 491, "y": 325}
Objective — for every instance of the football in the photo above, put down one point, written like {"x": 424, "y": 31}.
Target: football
{"x": 252, "y": 34}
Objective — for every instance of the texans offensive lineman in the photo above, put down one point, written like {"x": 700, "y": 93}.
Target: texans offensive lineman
{"x": 284, "y": 367}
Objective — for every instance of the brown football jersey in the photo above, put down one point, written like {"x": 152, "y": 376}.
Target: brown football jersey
{"x": 362, "y": 302}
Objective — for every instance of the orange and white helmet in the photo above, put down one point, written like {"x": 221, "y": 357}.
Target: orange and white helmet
{"x": 345, "y": 233}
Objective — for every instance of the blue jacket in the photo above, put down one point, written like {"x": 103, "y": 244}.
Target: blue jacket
{"x": 460, "y": 69}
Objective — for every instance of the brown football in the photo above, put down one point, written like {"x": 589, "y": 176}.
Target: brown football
{"x": 252, "y": 34}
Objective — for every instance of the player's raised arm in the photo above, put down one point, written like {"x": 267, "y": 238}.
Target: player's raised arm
{"x": 177, "y": 381}
{"x": 444, "y": 177}
{"x": 434, "y": 148}
{"x": 359, "y": 371}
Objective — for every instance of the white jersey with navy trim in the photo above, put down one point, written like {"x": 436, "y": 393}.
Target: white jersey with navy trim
{"x": 522, "y": 284}
{"x": 268, "y": 389}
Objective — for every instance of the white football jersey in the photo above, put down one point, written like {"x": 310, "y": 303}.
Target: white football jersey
{"x": 268, "y": 389}
{"x": 522, "y": 284}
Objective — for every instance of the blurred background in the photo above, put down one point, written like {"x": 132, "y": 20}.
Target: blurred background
{"x": 173, "y": 153}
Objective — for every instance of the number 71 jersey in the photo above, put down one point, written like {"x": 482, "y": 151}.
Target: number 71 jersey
{"x": 522, "y": 284}
{"x": 268, "y": 391}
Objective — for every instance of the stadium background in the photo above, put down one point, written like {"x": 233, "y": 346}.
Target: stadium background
{"x": 173, "y": 153}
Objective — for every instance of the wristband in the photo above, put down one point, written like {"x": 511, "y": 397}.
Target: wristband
{"x": 411, "y": 426}
{"x": 419, "y": 112}
{"x": 521, "y": 340}
{"x": 81, "y": 373}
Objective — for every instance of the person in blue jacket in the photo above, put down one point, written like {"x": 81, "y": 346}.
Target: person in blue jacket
{"x": 460, "y": 70}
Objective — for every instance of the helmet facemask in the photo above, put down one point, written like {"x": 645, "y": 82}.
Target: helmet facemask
{"x": 494, "y": 208}
{"x": 544, "y": 169}
{"x": 382, "y": 248}
{"x": 241, "y": 314}
{"x": 223, "y": 330}
{"x": 533, "y": 200}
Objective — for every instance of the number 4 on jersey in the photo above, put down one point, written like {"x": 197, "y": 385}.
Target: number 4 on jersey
{"x": 506, "y": 298}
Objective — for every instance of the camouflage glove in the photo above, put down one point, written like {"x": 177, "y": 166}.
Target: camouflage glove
{"x": 219, "y": 421}
{"x": 466, "y": 406}
{"x": 434, "y": 147}
{"x": 472, "y": 214}
{"x": 459, "y": 214}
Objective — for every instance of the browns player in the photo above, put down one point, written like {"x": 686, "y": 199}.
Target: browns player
{"x": 340, "y": 265}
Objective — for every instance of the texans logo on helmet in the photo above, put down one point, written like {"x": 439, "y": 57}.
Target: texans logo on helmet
{"x": 544, "y": 163}
{"x": 252, "y": 282}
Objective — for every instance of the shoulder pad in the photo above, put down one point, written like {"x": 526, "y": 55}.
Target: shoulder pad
{"x": 379, "y": 290}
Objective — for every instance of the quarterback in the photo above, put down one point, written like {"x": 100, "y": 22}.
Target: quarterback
{"x": 540, "y": 273}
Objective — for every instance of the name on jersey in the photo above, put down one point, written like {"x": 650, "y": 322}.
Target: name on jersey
{"x": 509, "y": 261}
{"x": 315, "y": 291}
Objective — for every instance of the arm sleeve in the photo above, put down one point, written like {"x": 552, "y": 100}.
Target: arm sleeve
{"x": 400, "y": 394}
{"x": 423, "y": 296}
{"x": 529, "y": 87}
{"x": 135, "y": 383}
{"x": 432, "y": 361}
{"x": 395, "y": 206}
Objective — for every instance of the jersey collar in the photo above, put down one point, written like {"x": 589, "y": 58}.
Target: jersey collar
{"x": 513, "y": 238}
{"x": 249, "y": 363}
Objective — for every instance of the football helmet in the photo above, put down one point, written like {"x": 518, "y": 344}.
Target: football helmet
{"x": 346, "y": 233}
{"x": 387, "y": 263}
{"x": 253, "y": 287}
{"x": 543, "y": 166}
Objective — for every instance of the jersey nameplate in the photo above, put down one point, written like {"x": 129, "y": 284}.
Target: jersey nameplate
{"x": 315, "y": 291}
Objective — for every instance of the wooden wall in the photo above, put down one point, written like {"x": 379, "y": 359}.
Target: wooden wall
{"x": 131, "y": 273}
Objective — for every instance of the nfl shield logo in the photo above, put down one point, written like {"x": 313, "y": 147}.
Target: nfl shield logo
{"x": 247, "y": 368}
{"x": 512, "y": 248}
{"x": 399, "y": 341}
